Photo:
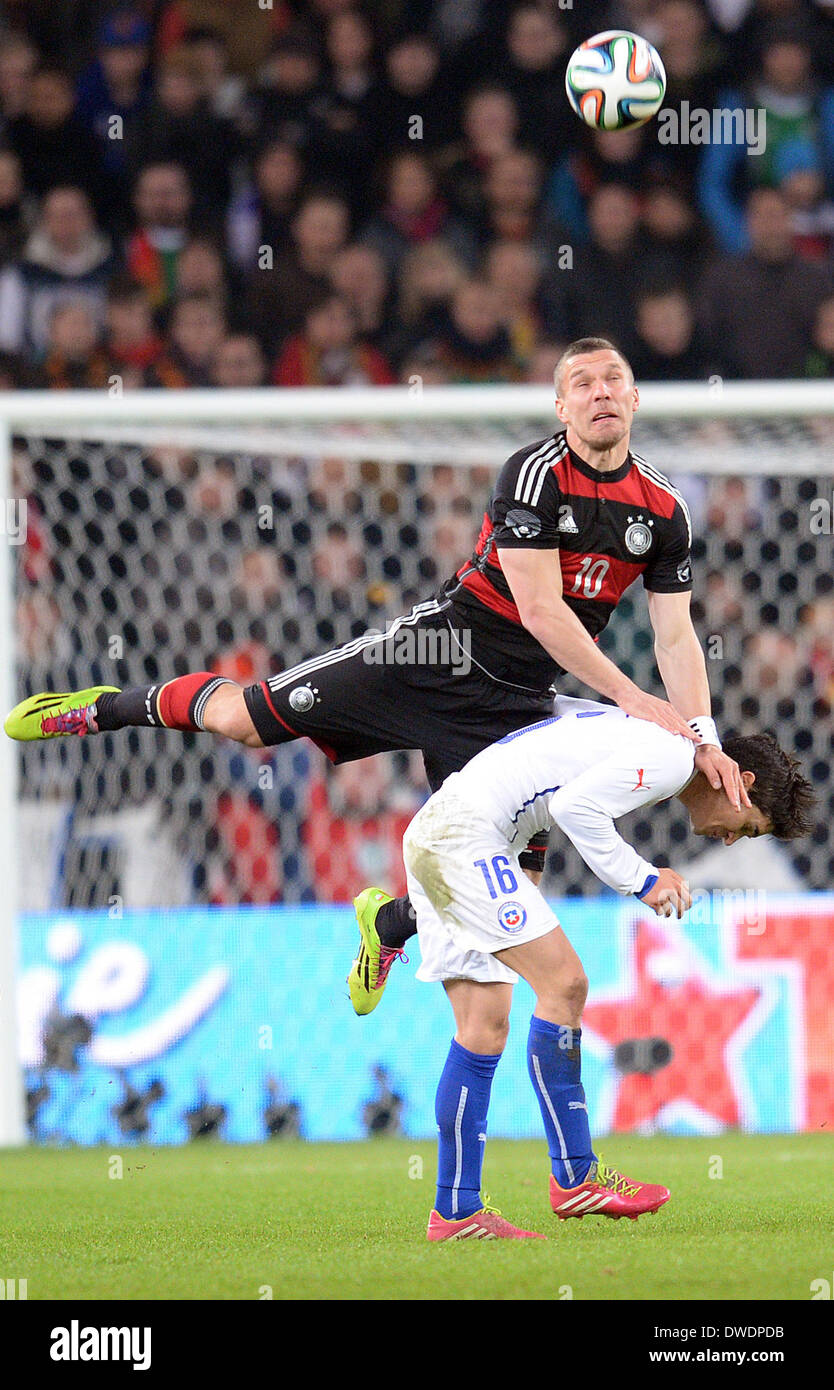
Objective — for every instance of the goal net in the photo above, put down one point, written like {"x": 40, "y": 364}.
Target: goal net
{"x": 159, "y": 533}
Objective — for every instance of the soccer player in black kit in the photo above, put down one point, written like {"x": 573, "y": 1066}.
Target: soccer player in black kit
{"x": 573, "y": 520}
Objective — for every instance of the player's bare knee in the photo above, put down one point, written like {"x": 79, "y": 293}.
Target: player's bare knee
{"x": 488, "y": 1037}
{"x": 564, "y": 993}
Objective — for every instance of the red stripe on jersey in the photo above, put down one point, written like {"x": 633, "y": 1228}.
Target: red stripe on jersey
{"x": 581, "y": 574}
{"x": 635, "y": 490}
{"x": 475, "y": 582}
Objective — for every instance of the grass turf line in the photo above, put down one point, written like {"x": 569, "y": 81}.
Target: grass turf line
{"x": 346, "y": 1221}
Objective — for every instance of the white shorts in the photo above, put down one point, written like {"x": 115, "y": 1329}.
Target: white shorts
{"x": 470, "y": 895}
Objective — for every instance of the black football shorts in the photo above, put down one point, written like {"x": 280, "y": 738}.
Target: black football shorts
{"x": 413, "y": 687}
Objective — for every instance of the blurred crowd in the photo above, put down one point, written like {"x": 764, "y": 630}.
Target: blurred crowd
{"x": 236, "y": 193}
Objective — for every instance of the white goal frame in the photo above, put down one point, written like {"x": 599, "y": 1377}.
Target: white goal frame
{"x": 260, "y": 418}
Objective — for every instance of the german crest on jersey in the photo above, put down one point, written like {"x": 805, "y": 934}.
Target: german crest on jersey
{"x": 302, "y": 699}
{"x": 523, "y": 524}
{"x": 638, "y": 537}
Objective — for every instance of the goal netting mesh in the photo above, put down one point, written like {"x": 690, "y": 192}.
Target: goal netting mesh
{"x": 245, "y": 543}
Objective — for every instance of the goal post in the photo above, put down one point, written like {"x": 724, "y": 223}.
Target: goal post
{"x": 145, "y": 551}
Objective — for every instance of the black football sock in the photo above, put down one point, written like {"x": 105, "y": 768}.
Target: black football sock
{"x": 123, "y": 710}
{"x": 174, "y": 704}
{"x": 395, "y": 923}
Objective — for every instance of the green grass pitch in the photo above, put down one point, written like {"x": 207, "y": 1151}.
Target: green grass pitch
{"x": 347, "y": 1221}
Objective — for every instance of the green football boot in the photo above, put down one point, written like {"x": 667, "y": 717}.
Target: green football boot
{"x": 54, "y": 715}
{"x": 369, "y": 972}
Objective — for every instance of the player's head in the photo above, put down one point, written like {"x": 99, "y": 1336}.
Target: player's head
{"x": 782, "y": 798}
{"x": 595, "y": 393}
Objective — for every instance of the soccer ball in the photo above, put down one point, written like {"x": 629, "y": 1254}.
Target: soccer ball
{"x": 615, "y": 80}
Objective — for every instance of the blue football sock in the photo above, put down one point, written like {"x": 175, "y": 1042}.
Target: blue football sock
{"x": 460, "y": 1108}
{"x": 554, "y": 1064}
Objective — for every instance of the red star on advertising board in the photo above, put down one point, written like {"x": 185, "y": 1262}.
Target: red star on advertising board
{"x": 694, "y": 1017}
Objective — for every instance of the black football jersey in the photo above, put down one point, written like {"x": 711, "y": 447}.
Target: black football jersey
{"x": 609, "y": 529}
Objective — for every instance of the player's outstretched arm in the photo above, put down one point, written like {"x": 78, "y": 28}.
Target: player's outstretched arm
{"x": 683, "y": 670}
{"x": 535, "y": 580}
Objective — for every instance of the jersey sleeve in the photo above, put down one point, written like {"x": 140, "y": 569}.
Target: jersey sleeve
{"x": 670, "y": 570}
{"x": 644, "y": 772}
{"x": 525, "y": 503}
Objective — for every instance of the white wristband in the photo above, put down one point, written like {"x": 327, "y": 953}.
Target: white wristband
{"x": 704, "y": 725}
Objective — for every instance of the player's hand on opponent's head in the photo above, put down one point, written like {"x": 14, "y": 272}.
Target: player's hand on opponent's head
{"x": 721, "y": 771}
{"x": 669, "y": 895}
{"x": 642, "y": 706}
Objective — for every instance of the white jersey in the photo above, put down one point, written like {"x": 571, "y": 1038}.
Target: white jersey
{"x": 580, "y": 771}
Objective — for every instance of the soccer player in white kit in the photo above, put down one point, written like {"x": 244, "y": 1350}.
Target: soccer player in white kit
{"x": 482, "y": 923}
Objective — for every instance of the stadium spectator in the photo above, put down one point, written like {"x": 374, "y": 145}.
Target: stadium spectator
{"x": 18, "y": 60}
{"x": 817, "y": 640}
{"x": 178, "y": 127}
{"x": 349, "y": 48}
{"x": 733, "y": 507}
{"x": 197, "y": 329}
{"x": 282, "y": 106}
{"x": 429, "y": 276}
{"x": 676, "y": 245}
{"x": 596, "y": 293}
{"x": 222, "y": 90}
{"x": 328, "y": 352}
{"x": 542, "y": 365}
{"x": 270, "y": 111}
{"x": 667, "y": 345}
{"x": 790, "y": 106}
{"x": 132, "y": 343}
{"x": 489, "y": 126}
{"x": 15, "y": 211}
{"x": 474, "y": 345}
{"x": 261, "y": 213}
{"x": 74, "y": 360}
{"x": 413, "y": 85}
{"x": 800, "y": 180}
{"x": 413, "y": 212}
{"x": 693, "y": 58}
{"x": 239, "y": 362}
{"x": 719, "y": 609}
{"x": 53, "y": 146}
{"x": 774, "y": 668}
{"x": 757, "y": 310}
{"x": 201, "y": 270}
{"x": 66, "y": 257}
{"x": 514, "y": 270}
{"x": 532, "y": 65}
{"x": 162, "y": 205}
{"x": 820, "y": 359}
{"x": 247, "y": 29}
{"x": 286, "y": 283}
{"x": 513, "y": 206}
{"x": 359, "y": 276}
{"x": 115, "y": 87}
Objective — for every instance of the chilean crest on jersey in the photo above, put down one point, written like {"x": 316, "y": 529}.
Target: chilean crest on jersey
{"x": 512, "y": 917}
{"x": 638, "y": 537}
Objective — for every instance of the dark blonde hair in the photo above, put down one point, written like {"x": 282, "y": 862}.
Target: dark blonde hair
{"x": 580, "y": 348}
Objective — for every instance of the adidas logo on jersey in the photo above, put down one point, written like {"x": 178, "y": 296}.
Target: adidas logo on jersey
{"x": 567, "y": 522}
